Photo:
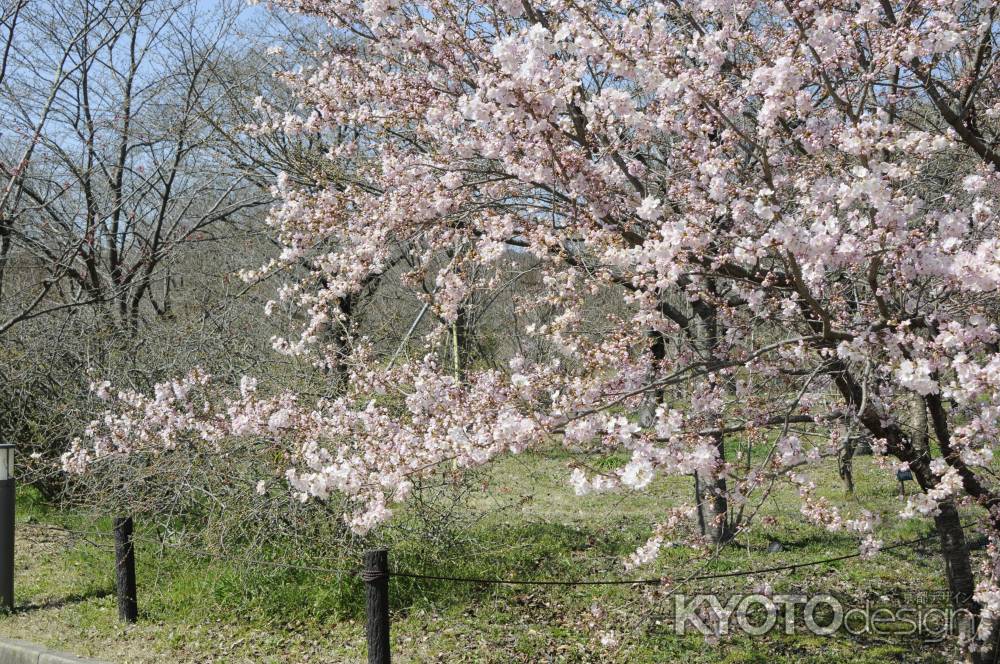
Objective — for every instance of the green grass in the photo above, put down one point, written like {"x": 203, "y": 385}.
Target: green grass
{"x": 521, "y": 522}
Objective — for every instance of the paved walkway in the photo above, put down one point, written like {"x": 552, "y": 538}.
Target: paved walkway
{"x": 22, "y": 652}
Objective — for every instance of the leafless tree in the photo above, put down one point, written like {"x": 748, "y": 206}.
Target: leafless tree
{"x": 116, "y": 171}
{"x": 115, "y": 200}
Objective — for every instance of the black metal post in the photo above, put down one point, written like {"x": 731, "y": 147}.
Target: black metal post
{"x": 128, "y": 607}
{"x": 7, "y": 502}
{"x": 376, "y": 578}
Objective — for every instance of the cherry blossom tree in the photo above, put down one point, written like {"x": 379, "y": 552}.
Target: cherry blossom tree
{"x": 794, "y": 200}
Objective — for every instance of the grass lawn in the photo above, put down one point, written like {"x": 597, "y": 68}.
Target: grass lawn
{"x": 520, "y": 520}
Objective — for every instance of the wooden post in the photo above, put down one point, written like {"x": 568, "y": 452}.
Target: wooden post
{"x": 7, "y": 500}
{"x": 128, "y": 608}
{"x": 376, "y": 578}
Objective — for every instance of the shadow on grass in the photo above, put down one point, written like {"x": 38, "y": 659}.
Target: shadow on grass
{"x": 537, "y": 550}
{"x": 846, "y": 540}
{"x": 60, "y": 602}
{"x": 497, "y": 551}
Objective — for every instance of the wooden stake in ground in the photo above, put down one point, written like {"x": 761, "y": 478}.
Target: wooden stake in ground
{"x": 7, "y": 512}
{"x": 128, "y": 608}
{"x": 376, "y": 578}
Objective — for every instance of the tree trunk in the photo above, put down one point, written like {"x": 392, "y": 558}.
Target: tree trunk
{"x": 713, "y": 503}
{"x": 918, "y": 424}
{"x": 713, "y": 506}
{"x": 341, "y": 331}
{"x": 461, "y": 350}
{"x": 845, "y": 465}
{"x": 948, "y": 524}
{"x": 958, "y": 570}
{"x": 653, "y": 398}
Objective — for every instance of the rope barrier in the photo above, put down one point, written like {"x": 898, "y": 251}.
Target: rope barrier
{"x": 368, "y": 575}
{"x": 209, "y": 554}
{"x": 255, "y": 561}
{"x": 662, "y": 580}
